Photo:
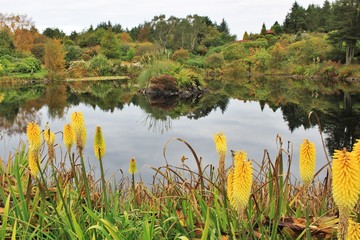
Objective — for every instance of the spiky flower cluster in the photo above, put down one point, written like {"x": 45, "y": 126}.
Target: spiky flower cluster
{"x": 132, "y": 166}
{"x": 346, "y": 180}
{"x": 34, "y": 138}
{"x": 240, "y": 181}
{"x": 221, "y": 147}
{"x": 99, "y": 143}
{"x": 220, "y": 143}
{"x": 33, "y": 135}
{"x": 78, "y": 123}
{"x": 356, "y": 151}
{"x": 69, "y": 136}
{"x": 307, "y": 161}
{"x": 49, "y": 138}
{"x": 353, "y": 231}
{"x": 230, "y": 189}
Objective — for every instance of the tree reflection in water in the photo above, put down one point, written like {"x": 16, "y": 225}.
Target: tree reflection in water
{"x": 338, "y": 106}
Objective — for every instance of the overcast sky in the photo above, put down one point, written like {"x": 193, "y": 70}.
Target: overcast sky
{"x": 78, "y": 15}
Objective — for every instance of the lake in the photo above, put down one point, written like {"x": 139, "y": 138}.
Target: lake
{"x": 251, "y": 113}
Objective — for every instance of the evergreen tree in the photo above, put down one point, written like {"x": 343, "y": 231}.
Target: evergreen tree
{"x": 295, "y": 19}
{"x": 346, "y": 25}
{"x": 326, "y": 17}
{"x": 313, "y": 17}
{"x": 223, "y": 27}
{"x": 263, "y": 29}
{"x": 245, "y": 36}
{"x": 54, "y": 33}
{"x": 276, "y": 28}
{"x": 6, "y": 43}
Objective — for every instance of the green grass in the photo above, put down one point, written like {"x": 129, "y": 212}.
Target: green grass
{"x": 181, "y": 203}
{"x": 25, "y": 76}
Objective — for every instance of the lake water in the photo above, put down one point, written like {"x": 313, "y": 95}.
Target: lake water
{"x": 134, "y": 126}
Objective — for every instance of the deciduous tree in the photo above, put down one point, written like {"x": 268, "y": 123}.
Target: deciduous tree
{"x": 54, "y": 59}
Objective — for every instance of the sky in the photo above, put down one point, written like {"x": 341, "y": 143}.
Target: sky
{"x": 78, "y": 15}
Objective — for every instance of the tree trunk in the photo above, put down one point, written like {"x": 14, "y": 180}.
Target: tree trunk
{"x": 350, "y": 52}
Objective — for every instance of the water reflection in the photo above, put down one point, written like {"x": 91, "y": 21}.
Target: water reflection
{"x": 338, "y": 106}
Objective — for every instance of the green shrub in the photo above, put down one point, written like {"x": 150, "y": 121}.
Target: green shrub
{"x": 329, "y": 70}
{"x": 187, "y": 78}
{"x": 235, "y": 69}
{"x": 349, "y": 70}
{"x": 195, "y": 61}
{"x": 118, "y": 68}
{"x": 161, "y": 67}
{"x": 77, "y": 69}
{"x": 180, "y": 55}
{"x": 100, "y": 64}
{"x": 215, "y": 60}
{"x": 28, "y": 65}
{"x": 130, "y": 54}
{"x": 2, "y": 69}
{"x": 235, "y": 51}
{"x": 261, "y": 60}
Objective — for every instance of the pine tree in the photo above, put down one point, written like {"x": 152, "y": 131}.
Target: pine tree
{"x": 346, "y": 25}
{"x": 276, "y": 28}
{"x": 245, "y": 36}
{"x": 295, "y": 19}
{"x": 263, "y": 29}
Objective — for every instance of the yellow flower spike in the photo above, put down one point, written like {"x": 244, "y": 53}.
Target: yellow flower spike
{"x": 69, "y": 136}
{"x": 221, "y": 147}
{"x": 34, "y": 159}
{"x": 33, "y": 135}
{"x": 220, "y": 143}
{"x": 99, "y": 143}
{"x": 242, "y": 180}
{"x": 346, "y": 180}
{"x": 353, "y": 232}
{"x": 307, "y": 161}
{"x": 78, "y": 123}
{"x": 81, "y": 140}
{"x": 356, "y": 150}
{"x": 77, "y": 120}
{"x": 229, "y": 189}
{"x": 49, "y": 137}
{"x": 132, "y": 166}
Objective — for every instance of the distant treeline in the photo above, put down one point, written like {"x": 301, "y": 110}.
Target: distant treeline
{"x": 198, "y": 35}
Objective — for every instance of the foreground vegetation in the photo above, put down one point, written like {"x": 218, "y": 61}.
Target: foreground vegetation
{"x": 47, "y": 192}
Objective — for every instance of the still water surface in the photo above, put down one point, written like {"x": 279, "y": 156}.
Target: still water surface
{"x": 132, "y": 129}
